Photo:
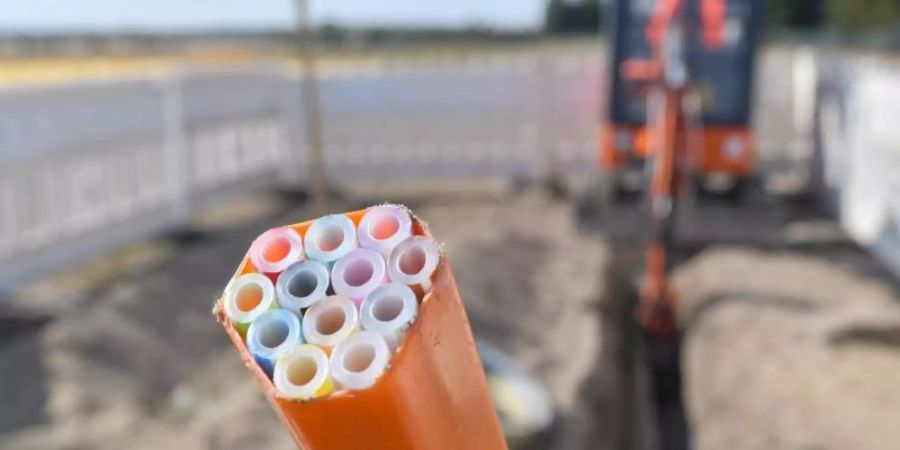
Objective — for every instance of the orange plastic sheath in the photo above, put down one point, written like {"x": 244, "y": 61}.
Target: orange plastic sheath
{"x": 434, "y": 395}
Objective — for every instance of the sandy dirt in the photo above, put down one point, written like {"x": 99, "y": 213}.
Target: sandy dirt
{"x": 137, "y": 360}
{"x": 791, "y": 331}
{"x": 790, "y": 350}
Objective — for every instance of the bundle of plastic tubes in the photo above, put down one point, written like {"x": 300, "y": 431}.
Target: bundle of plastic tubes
{"x": 326, "y": 310}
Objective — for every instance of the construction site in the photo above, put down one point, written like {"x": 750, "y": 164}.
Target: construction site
{"x": 722, "y": 273}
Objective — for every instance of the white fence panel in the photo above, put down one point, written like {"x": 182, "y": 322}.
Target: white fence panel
{"x": 860, "y": 146}
{"x": 235, "y": 130}
{"x": 82, "y": 168}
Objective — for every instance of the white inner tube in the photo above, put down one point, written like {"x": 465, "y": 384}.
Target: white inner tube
{"x": 302, "y": 284}
{"x": 248, "y": 297}
{"x": 303, "y": 373}
{"x": 330, "y": 237}
{"x": 414, "y": 261}
{"x": 382, "y": 228}
{"x": 272, "y": 335}
{"x": 358, "y": 273}
{"x": 276, "y": 249}
{"x": 389, "y": 310}
{"x": 330, "y": 321}
{"x": 358, "y": 361}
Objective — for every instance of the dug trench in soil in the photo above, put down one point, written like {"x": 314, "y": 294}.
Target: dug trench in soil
{"x": 645, "y": 368}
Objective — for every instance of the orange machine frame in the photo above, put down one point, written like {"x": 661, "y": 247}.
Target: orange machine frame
{"x": 712, "y": 159}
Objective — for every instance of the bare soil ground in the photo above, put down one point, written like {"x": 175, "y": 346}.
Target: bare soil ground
{"x": 136, "y": 360}
{"x": 791, "y": 331}
{"x": 789, "y": 349}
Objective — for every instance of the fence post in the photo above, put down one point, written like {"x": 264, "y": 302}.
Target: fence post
{"x": 312, "y": 109}
{"x": 8, "y": 219}
{"x": 803, "y": 83}
{"x": 543, "y": 102}
{"x": 175, "y": 151}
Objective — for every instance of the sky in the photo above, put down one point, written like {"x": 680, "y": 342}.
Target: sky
{"x": 177, "y": 15}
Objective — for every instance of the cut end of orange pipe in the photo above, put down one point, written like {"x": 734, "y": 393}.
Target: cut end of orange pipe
{"x": 432, "y": 394}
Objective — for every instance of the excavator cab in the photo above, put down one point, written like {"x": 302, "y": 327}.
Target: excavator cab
{"x": 721, "y": 79}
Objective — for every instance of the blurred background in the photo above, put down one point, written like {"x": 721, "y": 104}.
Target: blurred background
{"x": 143, "y": 147}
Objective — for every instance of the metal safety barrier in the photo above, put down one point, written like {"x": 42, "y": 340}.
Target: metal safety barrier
{"x": 89, "y": 166}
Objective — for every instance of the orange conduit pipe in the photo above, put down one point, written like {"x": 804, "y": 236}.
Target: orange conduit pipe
{"x": 434, "y": 394}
